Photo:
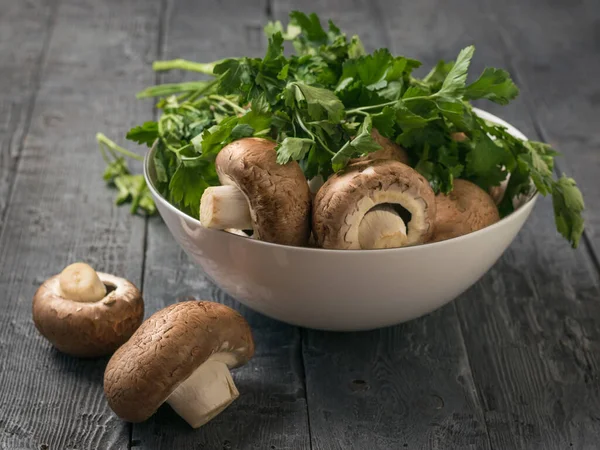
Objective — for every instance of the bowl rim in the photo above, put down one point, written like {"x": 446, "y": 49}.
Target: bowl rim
{"x": 489, "y": 229}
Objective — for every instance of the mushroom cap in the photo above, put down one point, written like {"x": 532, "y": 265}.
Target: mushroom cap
{"x": 465, "y": 209}
{"x": 348, "y": 195}
{"x": 167, "y": 348}
{"x": 390, "y": 150}
{"x": 88, "y": 329}
{"x": 278, "y": 194}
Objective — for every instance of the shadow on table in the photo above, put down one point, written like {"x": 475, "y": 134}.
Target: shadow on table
{"x": 242, "y": 425}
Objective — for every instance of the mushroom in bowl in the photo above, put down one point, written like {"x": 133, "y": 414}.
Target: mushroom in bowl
{"x": 273, "y": 200}
{"x": 354, "y": 209}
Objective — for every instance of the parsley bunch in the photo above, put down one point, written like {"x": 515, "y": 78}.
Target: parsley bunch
{"x": 320, "y": 105}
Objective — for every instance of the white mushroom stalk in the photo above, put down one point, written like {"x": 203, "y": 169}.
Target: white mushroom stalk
{"x": 381, "y": 227}
{"x": 80, "y": 282}
{"x": 206, "y": 393}
{"x": 225, "y": 207}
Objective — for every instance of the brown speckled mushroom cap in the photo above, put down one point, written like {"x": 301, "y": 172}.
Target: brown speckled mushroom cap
{"x": 343, "y": 201}
{"x": 278, "y": 194}
{"x": 88, "y": 329}
{"x": 467, "y": 208}
{"x": 166, "y": 349}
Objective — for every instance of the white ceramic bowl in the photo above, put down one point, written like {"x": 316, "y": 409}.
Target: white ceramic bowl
{"x": 343, "y": 290}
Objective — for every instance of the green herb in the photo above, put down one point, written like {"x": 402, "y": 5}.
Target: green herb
{"x": 132, "y": 188}
{"x": 320, "y": 105}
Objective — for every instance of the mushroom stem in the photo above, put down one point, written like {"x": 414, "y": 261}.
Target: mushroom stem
{"x": 224, "y": 207}
{"x": 381, "y": 227}
{"x": 80, "y": 282}
{"x": 204, "y": 394}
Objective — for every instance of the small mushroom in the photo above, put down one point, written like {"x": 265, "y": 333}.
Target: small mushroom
{"x": 258, "y": 194}
{"x": 358, "y": 208}
{"x": 86, "y": 313}
{"x": 465, "y": 209}
{"x": 180, "y": 355}
{"x": 390, "y": 150}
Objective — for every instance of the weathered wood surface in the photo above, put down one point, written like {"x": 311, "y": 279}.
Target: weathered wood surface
{"x": 60, "y": 212}
{"x": 271, "y": 410}
{"x": 24, "y": 35}
{"x": 513, "y": 363}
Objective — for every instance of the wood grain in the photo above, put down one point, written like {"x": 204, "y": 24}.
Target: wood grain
{"x": 271, "y": 410}
{"x": 408, "y": 386}
{"x": 60, "y": 212}
{"x": 25, "y": 30}
{"x": 529, "y": 324}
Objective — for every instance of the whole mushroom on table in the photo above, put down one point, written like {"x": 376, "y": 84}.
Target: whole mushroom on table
{"x": 181, "y": 355}
{"x": 86, "y": 313}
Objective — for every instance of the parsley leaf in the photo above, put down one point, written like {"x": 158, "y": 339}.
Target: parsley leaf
{"x": 293, "y": 149}
{"x": 319, "y": 101}
{"x": 362, "y": 144}
{"x": 144, "y": 134}
{"x": 384, "y": 121}
{"x": 241, "y": 130}
{"x": 454, "y": 83}
{"x": 186, "y": 187}
{"x": 568, "y": 205}
{"x": 494, "y": 85}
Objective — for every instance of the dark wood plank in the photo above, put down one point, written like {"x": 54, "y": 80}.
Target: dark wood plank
{"x": 554, "y": 61}
{"x": 61, "y": 212}
{"x": 408, "y": 386}
{"x": 25, "y": 28}
{"x": 271, "y": 410}
{"x": 528, "y": 325}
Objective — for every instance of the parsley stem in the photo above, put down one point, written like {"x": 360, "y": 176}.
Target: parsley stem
{"x": 163, "y": 90}
{"x": 183, "y": 64}
{"x": 102, "y": 139}
{"x": 194, "y": 95}
{"x": 365, "y": 108}
{"x": 314, "y": 138}
{"x": 228, "y": 102}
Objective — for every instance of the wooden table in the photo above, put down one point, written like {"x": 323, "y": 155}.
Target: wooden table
{"x": 513, "y": 363}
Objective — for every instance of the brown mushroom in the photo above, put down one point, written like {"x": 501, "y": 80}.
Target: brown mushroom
{"x": 180, "y": 355}
{"x": 362, "y": 207}
{"x": 258, "y": 194}
{"x": 86, "y": 313}
{"x": 465, "y": 209}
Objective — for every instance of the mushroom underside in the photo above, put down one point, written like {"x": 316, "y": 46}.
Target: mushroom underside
{"x": 408, "y": 209}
